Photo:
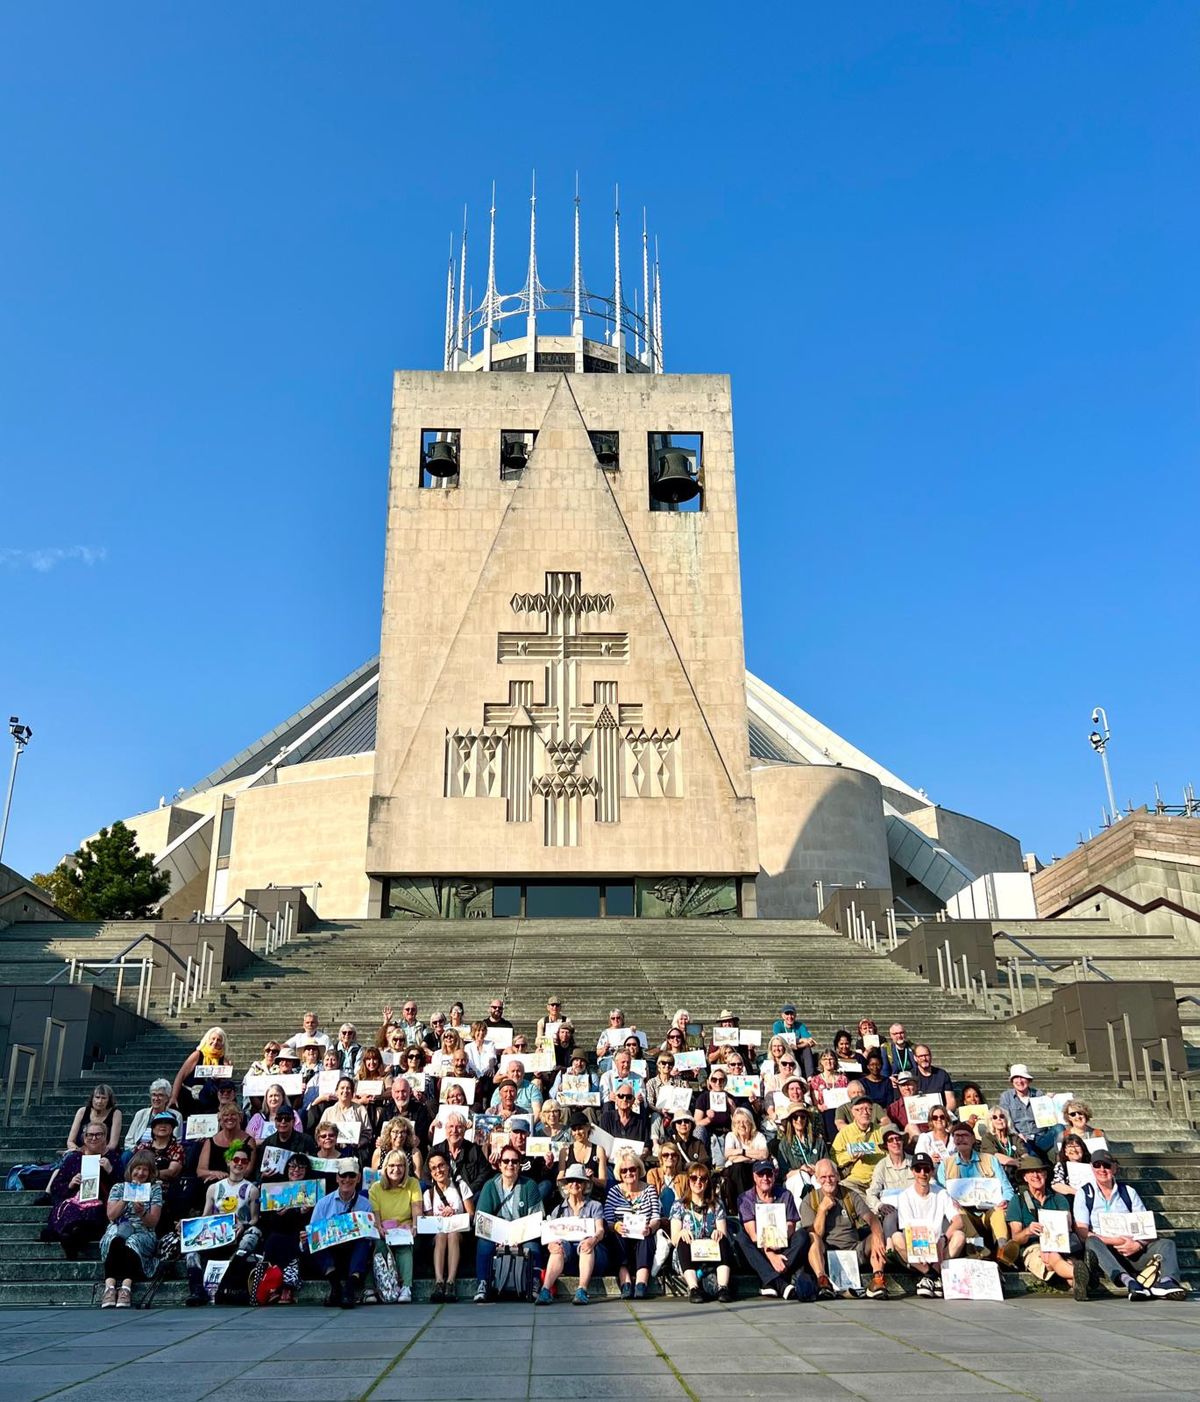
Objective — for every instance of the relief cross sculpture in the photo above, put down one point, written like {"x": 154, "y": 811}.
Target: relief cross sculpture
{"x": 563, "y": 749}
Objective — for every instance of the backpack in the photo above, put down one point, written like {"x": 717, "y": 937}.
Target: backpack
{"x": 1089, "y": 1196}
{"x": 234, "y": 1288}
{"x": 512, "y": 1274}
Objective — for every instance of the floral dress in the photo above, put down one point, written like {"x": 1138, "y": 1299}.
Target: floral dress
{"x": 132, "y": 1230}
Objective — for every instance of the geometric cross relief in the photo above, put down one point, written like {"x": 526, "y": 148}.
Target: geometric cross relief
{"x": 563, "y": 749}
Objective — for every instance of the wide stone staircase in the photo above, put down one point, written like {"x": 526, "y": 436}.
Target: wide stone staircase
{"x": 351, "y": 969}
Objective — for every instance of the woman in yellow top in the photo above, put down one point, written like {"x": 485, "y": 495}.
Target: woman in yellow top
{"x": 396, "y": 1202}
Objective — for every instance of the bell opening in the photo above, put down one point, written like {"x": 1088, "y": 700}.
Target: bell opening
{"x": 439, "y": 457}
{"x": 676, "y": 476}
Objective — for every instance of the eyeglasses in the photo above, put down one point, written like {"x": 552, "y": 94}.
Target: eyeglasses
{"x": 939, "y": 1119}
{"x": 1076, "y": 1115}
{"x": 697, "y": 1177}
{"x": 717, "y": 1081}
{"x": 628, "y": 1172}
{"x": 508, "y": 1163}
{"x": 624, "y": 1099}
{"x": 922, "y": 1170}
{"x": 764, "y": 1173}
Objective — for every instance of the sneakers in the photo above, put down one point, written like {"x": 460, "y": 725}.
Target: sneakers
{"x": 450, "y": 1297}
{"x": 481, "y": 1293}
{"x": 109, "y": 1298}
{"x": 938, "y": 1291}
{"x": 124, "y": 1298}
{"x": 789, "y": 1292}
{"x": 1081, "y": 1279}
{"x": 581, "y": 1297}
{"x": 627, "y": 1291}
{"x": 724, "y": 1295}
{"x": 925, "y": 1289}
{"x": 197, "y": 1298}
{"x": 405, "y": 1295}
{"x": 824, "y": 1289}
{"x": 768, "y": 1293}
{"x": 1168, "y": 1288}
{"x": 877, "y": 1290}
{"x": 639, "y": 1291}
{"x": 696, "y": 1295}
{"x": 544, "y": 1297}
{"x": 1137, "y": 1293}
{"x": 438, "y": 1293}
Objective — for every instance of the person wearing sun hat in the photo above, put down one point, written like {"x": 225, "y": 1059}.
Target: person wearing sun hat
{"x": 1025, "y": 1227}
{"x": 586, "y": 1257}
{"x": 1016, "y": 1104}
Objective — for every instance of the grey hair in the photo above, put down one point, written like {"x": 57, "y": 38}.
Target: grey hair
{"x": 160, "y": 1086}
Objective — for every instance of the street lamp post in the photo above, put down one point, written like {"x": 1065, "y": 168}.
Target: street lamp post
{"x": 1099, "y": 741}
{"x": 21, "y": 734}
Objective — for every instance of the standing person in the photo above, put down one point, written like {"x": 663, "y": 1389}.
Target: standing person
{"x": 1025, "y": 1229}
{"x": 779, "y": 1268}
{"x": 699, "y": 1215}
{"x": 345, "y": 1265}
{"x": 551, "y": 1017}
{"x": 632, "y": 1197}
{"x": 898, "y": 1054}
{"x": 129, "y": 1246}
{"x": 838, "y": 1219}
{"x": 198, "y": 1096}
{"x": 445, "y": 1197}
{"x": 588, "y": 1256}
{"x": 923, "y": 1205}
{"x": 495, "y": 1017}
{"x": 348, "y": 1049}
{"x": 788, "y": 1025}
{"x": 510, "y": 1196}
{"x": 395, "y": 1199}
{"x": 1146, "y": 1270}
{"x": 310, "y": 1031}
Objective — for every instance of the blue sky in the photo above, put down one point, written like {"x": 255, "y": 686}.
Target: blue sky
{"x": 946, "y": 252}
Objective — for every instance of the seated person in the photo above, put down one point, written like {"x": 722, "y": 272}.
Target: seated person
{"x": 631, "y": 1197}
{"x": 310, "y": 1031}
{"x": 1144, "y": 1269}
{"x": 129, "y": 1246}
{"x": 699, "y": 1215}
{"x": 621, "y": 1074}
{"x": 541, "y": 1169}
{"x": 283, "y": 1135}
{"x": 614, "y": 1034}
{"x": 1071, "y": 1149}
{"x": 402, "y": 1101}
{"x": 875, "y": 1085}
{"x": 233, "y": 1192}
{"x": 968, "y": 1162}
{"x": 619, "y": 1118}
{"x": 744, "y": 1146}
{"x": 565, "y": 1257}
{"x": 789, "y": 1026}
{"x": 798, "y": 1146}
{"x": 936, "y": 1140}
{"x": 467, "y": 1161}
{"x": 837, "y": 1218}
{"x": 446, "y": 1197}
{"x": 1025, "y": 1230}
{"x": 72, "y": 1222}
{"x": 891, "y": 1175}
{"x": 779, "y": 1264}
{"x": 345, "y": 1265}
{"x": 510, "y": 1196}
{"x": 528, "y": 1091}
{"x": 1016, "y": 1100}
{"x": 1077, "y": 1117}
{"x": 395, "y": 1199}
{"x": 577, "y": 1066}
{"x": 858, "y": 1146}
{"x": 924, "y": 1205}
{"x": 139, "y": 1126}
{"x": 681, "y": 1131}
{"x": 906, "y": 1087}
{"x": 283, "y": 1233}
{"x": 848, "y": 1060}
{"x": 998, "y": 1138}
{"x": 352, "y": 1121}
{"x": 262, "y": 1122}
{"x": 971, "y": 1101}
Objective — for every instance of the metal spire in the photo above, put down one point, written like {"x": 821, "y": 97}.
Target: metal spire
{"x": 658, "y": 313}
{"x": 618, "y": 331}
{"x": 489, "y": 297}
{"x": 646, "y": 351}
{"x": 577, "y": 289}
{"x": 531, "y": 289}
{"x": 460, "y": 340}
{"x": 446, "y": 344}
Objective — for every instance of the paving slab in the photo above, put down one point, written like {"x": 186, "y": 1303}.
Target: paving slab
{"x": 459, "y": 1386}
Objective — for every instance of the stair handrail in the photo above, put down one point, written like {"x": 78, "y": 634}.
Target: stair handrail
{"x": 1085, "y": 961}
{"x": 166, "y": 949}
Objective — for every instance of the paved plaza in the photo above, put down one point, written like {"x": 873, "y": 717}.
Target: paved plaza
{"x": 1042, "y": 1347}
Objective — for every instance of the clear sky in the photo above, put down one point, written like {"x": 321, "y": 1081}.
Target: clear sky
{"x": 947, "y": 252}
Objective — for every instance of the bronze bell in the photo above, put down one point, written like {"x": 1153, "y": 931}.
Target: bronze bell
{"x": 514, "y": 454}
{"x": 441, "y": 459}
{"x": 605, "y": 446}
{"x": 676, "y": 481}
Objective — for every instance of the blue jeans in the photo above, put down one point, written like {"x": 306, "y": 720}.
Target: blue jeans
{"x": 346, "y": 1259}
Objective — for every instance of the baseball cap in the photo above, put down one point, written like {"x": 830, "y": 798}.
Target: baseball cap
{"x": 518, "y": 1123}
{"x": 922, "y": 1161}
{"x": 763, "y": 1166}
{"x": 905, "y": 1078}
{"x": 1102, "y": 1157}
{"x": 788, "y": 1008}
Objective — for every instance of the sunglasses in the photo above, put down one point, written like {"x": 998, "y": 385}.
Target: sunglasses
{"x": 347, "y": 1175}
{"x": 629, "y": 1172}
{"x": 764, "y": 1173}
{"x": 1076, "y": 1115}
{"x": 922, "y": 1170}
{"x": 508, "y": 1163}
{"x": 697, "y": 1177}
{"x": 666, "y": 1063}
{"x": 624, "y": 1099}
{"x": 717, "y": 1081}
{"x": 554, "y": 1003}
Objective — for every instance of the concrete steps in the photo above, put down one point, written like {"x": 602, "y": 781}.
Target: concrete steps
{"x": 352, "y": 969}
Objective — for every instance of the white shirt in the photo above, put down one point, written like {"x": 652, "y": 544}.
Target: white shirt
{"x": 457, "y": 1196}
{"x": 927, "y": 1144}
{"x": 482, "y": 1061}
{"x": 301, "y": 1037}
{"x": 933, "y": 1210}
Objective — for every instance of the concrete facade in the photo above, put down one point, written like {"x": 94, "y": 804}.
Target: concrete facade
{"x": 665, "y": 659}
{"x": 816, "y": 823}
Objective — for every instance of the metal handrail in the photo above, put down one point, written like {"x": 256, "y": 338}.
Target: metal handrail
{"x": 133, "y": 944}
{"x": 51, "y": 1024}
{"x": 19, "y": 1049}
{"x": 1035, "y": 958}
{"x": 144, "y": 966}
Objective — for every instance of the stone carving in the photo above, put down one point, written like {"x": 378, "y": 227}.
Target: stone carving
{"x": 434, "y": 898}
{"x": 686, "y": 897}
{"x": 563, "y": 749}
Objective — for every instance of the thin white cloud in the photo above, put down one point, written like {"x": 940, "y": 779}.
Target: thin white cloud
{"x": 45, "y": 559}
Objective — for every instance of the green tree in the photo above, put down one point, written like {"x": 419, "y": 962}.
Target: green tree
{"x": 107, "y": 879}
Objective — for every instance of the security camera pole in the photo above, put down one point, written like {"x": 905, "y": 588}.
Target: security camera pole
{"x": 1099, "y": 741}
{"x": 21, "y": 734}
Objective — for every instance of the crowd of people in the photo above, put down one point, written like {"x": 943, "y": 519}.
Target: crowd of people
{"x": 667, "y": 1160}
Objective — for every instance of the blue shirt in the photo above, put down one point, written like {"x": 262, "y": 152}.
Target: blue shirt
{"x": 333, "y": 1205}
